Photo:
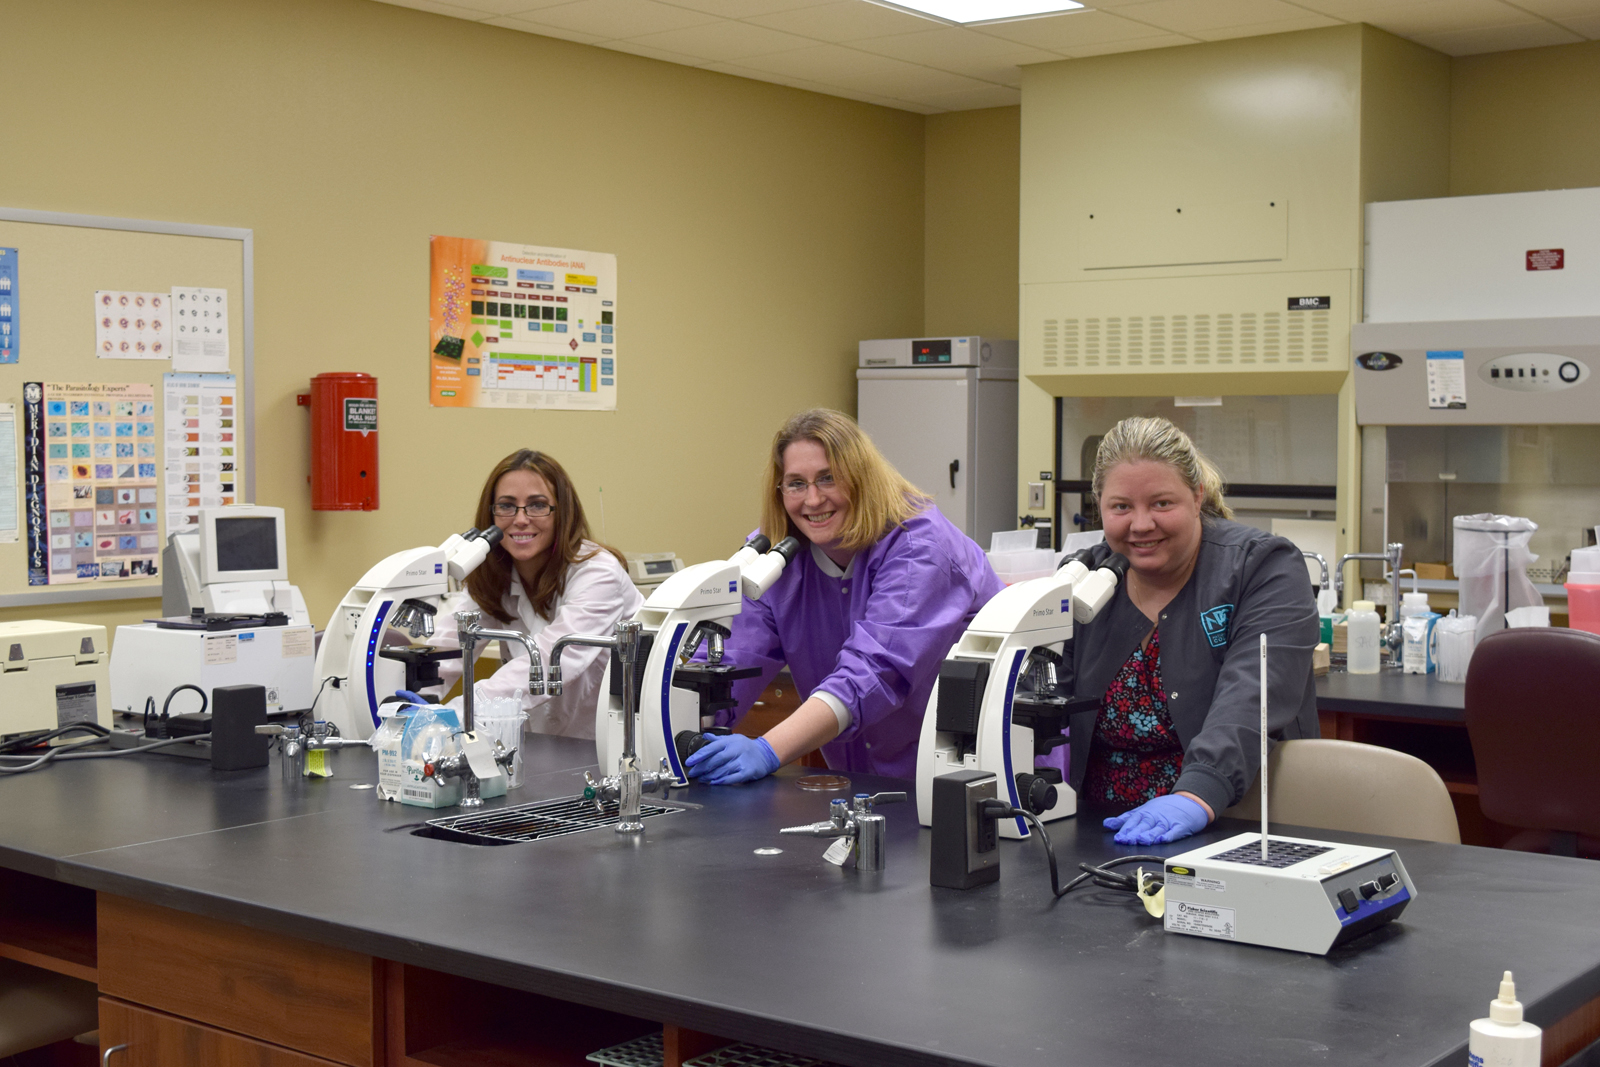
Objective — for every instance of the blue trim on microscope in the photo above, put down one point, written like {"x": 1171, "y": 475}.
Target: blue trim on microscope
{"x": 1005, "y": 738}
{"x": 666, "y": 702}
{"x": 374, "y": 639}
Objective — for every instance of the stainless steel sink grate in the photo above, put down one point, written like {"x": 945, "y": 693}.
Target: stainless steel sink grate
{"x": 643, "y": 1051}
{"x": 531, "y": 822}
{"x": 742, "y": 1055}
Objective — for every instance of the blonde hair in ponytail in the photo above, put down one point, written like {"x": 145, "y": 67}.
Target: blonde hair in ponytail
{"x": 1156, "y": 439}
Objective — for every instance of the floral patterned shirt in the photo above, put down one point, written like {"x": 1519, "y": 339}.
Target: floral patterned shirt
{"x": 1136, "y": 754}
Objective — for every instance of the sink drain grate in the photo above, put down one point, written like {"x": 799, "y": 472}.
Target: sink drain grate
{"x": 531, "y": 822}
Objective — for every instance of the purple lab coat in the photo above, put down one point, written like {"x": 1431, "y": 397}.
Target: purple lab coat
{"x": 874, "y": 639}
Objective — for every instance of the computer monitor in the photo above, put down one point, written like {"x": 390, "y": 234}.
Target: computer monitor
{"x": 242, "y": 543}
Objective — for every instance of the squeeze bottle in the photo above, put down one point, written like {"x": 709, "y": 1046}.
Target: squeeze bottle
{"x": 1503, "y": 1039}
{"x": 1362, "y": 638}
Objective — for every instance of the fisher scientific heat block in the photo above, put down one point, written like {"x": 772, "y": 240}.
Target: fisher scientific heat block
{"x": 1305, "y": 896}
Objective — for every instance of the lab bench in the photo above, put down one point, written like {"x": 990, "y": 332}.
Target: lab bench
{"x": 233, "y": 917}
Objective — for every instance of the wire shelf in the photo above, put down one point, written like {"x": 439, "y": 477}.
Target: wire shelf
{"x": 533, "y": 822}
{"x": 742, "y": 1055}
{"x": 643, "y": 1051}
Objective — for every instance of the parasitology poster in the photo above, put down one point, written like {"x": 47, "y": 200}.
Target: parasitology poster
{"x": 521, "y": 326}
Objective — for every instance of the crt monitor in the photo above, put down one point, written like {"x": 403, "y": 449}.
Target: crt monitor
{"x": 242, "y": 543}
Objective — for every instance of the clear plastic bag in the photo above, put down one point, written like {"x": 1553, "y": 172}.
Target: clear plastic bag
{"x": 1491, "y": 560}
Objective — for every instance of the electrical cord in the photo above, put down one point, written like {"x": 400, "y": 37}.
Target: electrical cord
{"x": 70, "y": 752}
{"x": 1102, "y": 875}
{"x": 40, "y": 738}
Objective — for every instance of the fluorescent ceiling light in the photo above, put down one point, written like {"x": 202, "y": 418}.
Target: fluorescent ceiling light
{"x": 980, "y": 12}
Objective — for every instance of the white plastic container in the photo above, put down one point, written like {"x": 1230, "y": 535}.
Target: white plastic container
{"x": 1413, "y": 603}
{"x": 1503, "y": 1039}
{"x": 1455, "y": 637}
{"x": 1363, "y": 638}
{"x": 501, "y": 719}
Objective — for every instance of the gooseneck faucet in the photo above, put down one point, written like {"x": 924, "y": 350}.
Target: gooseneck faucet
{"x": 1321, "y": 562}
{"x": 470, "y": 631}
{"x": 629, "y": 783}
{"x": 1390, "y": 557}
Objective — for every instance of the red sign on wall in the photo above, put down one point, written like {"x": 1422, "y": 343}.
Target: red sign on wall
{"x": 1546, "y": 259}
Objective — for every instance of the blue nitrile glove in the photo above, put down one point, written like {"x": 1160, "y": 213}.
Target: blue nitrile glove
{"x": 412, "y": 698}
{"x": 733, "y": 758}
{"x": 1158, "y": 821}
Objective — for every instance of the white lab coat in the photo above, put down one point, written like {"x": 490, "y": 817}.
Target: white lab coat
{"x": 599, "y": 595}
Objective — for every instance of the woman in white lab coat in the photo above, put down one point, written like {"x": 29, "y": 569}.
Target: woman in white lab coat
{"x": 546, "y": 578}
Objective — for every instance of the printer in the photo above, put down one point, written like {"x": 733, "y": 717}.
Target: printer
{"x": 53, "y": 674}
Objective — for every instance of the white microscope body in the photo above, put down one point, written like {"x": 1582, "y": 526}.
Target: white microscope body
{"x": 403, "y": 591}
{"x": 970, "y": 722}
{"x": 696, "y": 604}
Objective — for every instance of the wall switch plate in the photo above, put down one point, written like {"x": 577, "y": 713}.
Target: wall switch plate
{"x": 1035, "y": 494}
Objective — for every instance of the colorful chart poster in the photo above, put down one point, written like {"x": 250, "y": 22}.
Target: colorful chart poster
{"x": 9, "y": 294}
{"x": 98, "y": 518}
{"x": 202, "y": 445}
{"x": 521, "y": 326}
{"x": 132, "y": 325}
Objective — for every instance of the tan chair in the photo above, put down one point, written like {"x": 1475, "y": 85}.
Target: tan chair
{"x": 1364, "y": 789}
{"x": 39, "y": 1007}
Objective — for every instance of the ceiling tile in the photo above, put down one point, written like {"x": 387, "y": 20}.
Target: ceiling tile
{"x": 844, "y": 21}
{"x": 723, "y": 41}
{"x": 970, "y": 99}
{"x": 1067, "y": 33}
{"x": 542, "y": 30}
{"x": 453, "y": 10}
{"x": 1588, "y": 25}
{"x": 1307, "y": 21}
{"x": 513, "y": 7}
{"x": 1558, "y": 9}
{"x": 825, "y": 63}
{"x": 1444, "y": 16}
{"x": 1166, "y": 40}
{"x": 740, "y": 71}
{"x": 1189, "y": 16}
{"x": 910, "y": 83}
{"x": 1497, "y": 38}
{"x": 620, "y": 18}
{"x": 743, "y": 9}
{"x": 951, "y": 45}
{"x": 665, "y": 56}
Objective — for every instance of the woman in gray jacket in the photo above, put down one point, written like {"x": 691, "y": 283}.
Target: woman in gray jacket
{"x": 1176, "y": 654}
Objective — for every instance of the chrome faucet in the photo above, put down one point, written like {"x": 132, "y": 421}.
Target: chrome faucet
{"x": 469, "y": 631}
{"x": 1390, "y": 557}
{"x": 1321, "y": 562}
{"x": 629, "y": 783}
{"x": 857, "y": 822}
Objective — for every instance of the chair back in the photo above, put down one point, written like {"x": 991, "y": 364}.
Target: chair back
{"x": 1362, "y": 789}
{"x": 1533, "y": 714}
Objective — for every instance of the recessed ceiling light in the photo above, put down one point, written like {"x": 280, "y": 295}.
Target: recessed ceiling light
{"x": 979, "y": 12}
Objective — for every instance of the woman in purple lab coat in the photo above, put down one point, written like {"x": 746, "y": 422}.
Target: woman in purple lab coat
{"x": 863, "y": 619}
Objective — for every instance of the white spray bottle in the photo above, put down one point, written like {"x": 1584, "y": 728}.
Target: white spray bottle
{"x": 1503, "y": 1039}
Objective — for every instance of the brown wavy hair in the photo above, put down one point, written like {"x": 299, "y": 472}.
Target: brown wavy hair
{"x": 880, "y": 497}
{"x": 490, "y": 583}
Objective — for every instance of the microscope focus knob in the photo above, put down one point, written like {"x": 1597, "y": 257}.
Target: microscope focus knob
{"x": 1037, "y": 793}
{"x": 688, "y": 742}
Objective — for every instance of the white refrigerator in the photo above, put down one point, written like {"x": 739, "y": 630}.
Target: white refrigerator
{"x": 943, "y": 410}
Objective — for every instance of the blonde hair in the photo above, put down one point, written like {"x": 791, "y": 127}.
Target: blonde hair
{"x": 880, "y": 498}
{"x": 1157, "y": 440}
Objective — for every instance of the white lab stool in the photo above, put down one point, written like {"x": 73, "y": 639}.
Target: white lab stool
{"x": 39, "y": 1007}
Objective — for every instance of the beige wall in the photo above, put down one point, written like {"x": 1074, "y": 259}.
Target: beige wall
{"x": 1525, "y": 120}
{"x": 760, "y": 232}
{"x": 973, "y": 161}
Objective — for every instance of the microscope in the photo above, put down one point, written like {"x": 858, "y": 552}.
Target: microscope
{"x": 673, "y": 695}
{"x": 998, "y": 703}
{"x": 354, "y": 671}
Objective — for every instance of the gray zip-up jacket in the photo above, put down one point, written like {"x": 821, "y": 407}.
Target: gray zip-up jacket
{"x": 1245, "y": 583}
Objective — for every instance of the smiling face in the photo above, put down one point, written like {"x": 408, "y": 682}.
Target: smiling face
{"x": 1152, "y": 518}
{"x": 819, "y": 514}
{"x": 526, "y": 539}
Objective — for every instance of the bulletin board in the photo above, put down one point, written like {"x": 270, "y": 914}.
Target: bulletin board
{"x": 61, "y": 262}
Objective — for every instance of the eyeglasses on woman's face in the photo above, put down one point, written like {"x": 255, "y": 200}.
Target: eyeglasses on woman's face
{"x": 505, "y": 509}
{"x": 796, "y": 487}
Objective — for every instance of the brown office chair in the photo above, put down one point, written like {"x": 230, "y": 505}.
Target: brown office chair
{"x": 1363, "y": 789}
{"x": 1533, "y": 714}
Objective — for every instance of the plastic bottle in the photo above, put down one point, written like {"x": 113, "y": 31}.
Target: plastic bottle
{"x": 1503, "y": 1039}
{"x": 1362, "y": 637}
{"x": 1413, "y": 603}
